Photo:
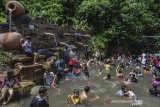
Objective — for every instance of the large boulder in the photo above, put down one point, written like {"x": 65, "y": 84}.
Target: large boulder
{"x": 25, "y": 90}
{"x": 21, "y": 92}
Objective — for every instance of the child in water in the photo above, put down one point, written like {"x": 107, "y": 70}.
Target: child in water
{"x": 84, "y": 95}
{"x": 120, "y": 75}
{"x": 157, "y": 82}
{"x": 127, "y": 81}
{"x": 85, "y": 70}
{"x": 140, "y": 74}
{"x": 75, "y": 98}
{"x": 146, "y": 70}
{"x": 134, "y": 79}
{"x": 154, "y": 91}
{"x": 107, "y": 68}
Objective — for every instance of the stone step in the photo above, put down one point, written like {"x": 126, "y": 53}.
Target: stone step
{"x": 31, "y": 72}
{"x": 21, "y": 58}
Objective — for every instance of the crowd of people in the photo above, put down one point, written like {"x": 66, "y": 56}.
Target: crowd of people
{"x": 73, "y": 66}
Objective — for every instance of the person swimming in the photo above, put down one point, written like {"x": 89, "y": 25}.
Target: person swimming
{"x": 134, "y": 79}
{"x": 126, "y": 92}
{"x": 120, "y": 75}
{"x": 127, "y": 81}
{"x": 140, "y": 74}
{"x": 84, "y": 95}
{"x": 154, "y": 91}
{"x": 156, "y": 82}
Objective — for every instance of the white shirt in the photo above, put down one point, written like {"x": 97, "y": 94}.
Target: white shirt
{"x": 120, "y": 93}
{"x": 48, "y": 78}
{"x": 27, "y": 46}
{"x": 131, "y": 94}
{"x": 143, "y": 55}
{"x": 143, "y": 61}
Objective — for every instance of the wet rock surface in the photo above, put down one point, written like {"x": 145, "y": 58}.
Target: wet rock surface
{"x": 45, "y": 34}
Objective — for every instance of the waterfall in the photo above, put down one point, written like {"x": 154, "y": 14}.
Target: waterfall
{"x": 10, "y": 20}
{"x": 55, "y": 40}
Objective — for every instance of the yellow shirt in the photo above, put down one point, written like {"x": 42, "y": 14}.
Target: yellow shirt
{"x": 73, "y": 100}
{"x": 107, "y": 67}
{"x": 146, "y": 71}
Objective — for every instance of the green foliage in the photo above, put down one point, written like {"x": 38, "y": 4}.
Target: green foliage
{"x": 111, "y": 21}
{"x": 3, "y": 57}
{"x": 2, "y": 15}
{"x": 80, "y": 24}
{"x": 97, "y": 14}
{"x": 98, "y": 42}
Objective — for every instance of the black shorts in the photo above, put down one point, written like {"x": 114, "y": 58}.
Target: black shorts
{"x": 29, "y": 54}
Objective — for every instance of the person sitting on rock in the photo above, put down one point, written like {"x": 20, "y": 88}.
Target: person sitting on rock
{"x": 27, "y": 48}
{"x": 7, "y": 86}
